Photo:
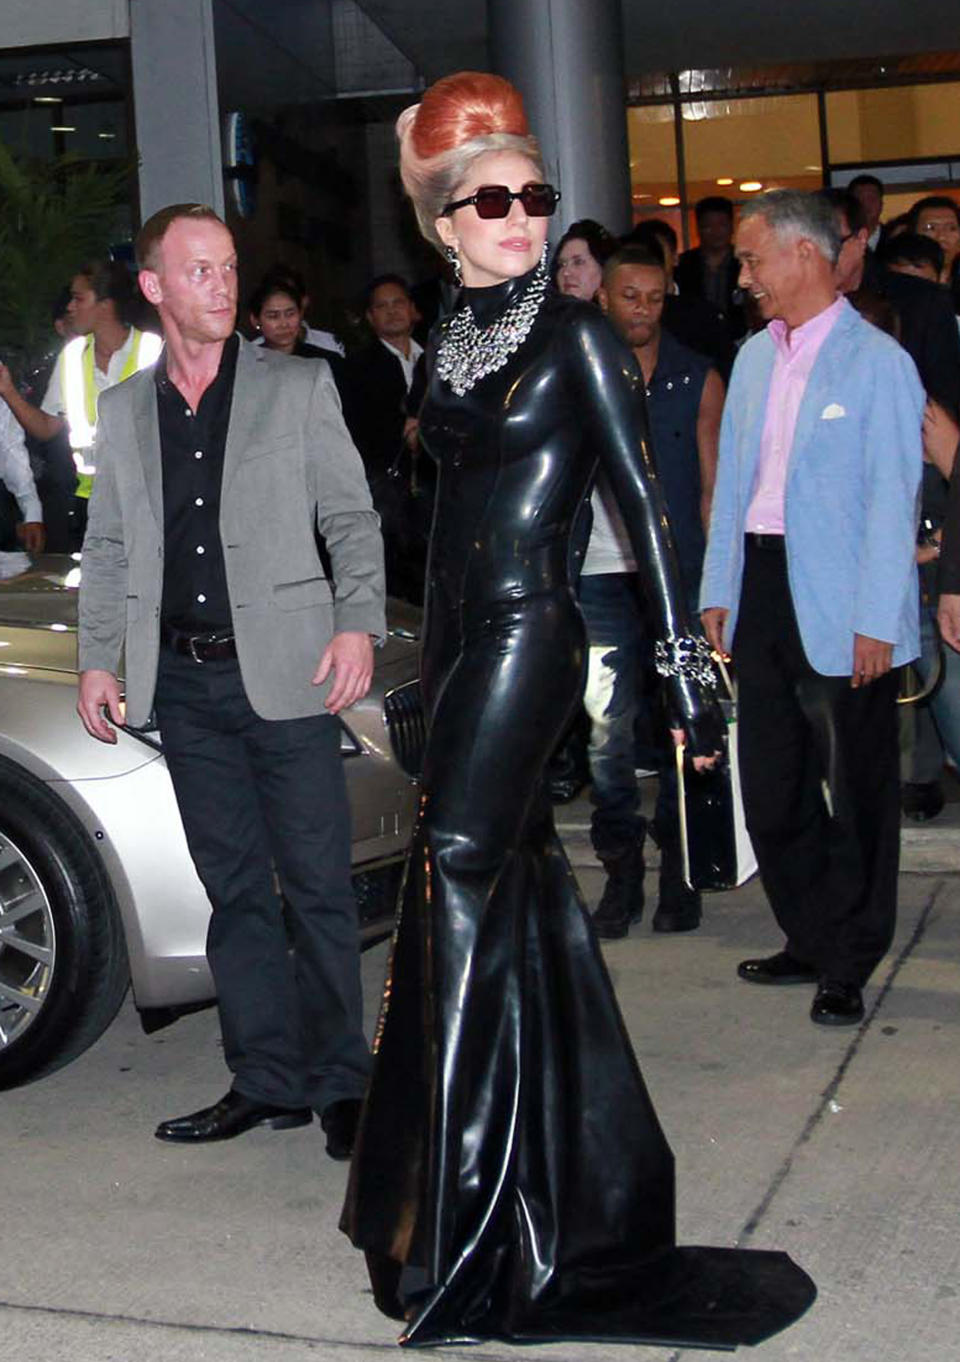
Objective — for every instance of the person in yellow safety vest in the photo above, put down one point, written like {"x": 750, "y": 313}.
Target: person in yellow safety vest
{"x": 80, "y": 391}
{"x": 105, "y": 350}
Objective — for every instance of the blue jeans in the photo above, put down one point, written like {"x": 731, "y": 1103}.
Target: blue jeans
{"x": 943, "y": 707}
{"x": 620, "y": 649}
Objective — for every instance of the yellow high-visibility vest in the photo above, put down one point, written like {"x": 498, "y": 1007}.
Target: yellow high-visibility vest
{"x": 80, "y": 393}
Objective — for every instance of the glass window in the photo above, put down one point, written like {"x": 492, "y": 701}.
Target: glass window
{"x": 653, "y": 162}
{"x": 901, "y": 123}
{"x": 766, "y": 142}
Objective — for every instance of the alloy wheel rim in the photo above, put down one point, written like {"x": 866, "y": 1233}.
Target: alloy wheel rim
{"x": 28, "y": 944}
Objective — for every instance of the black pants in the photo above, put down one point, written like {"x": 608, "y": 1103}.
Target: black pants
{"x": 255, "y": 795}
{"x": 819, "y": 766}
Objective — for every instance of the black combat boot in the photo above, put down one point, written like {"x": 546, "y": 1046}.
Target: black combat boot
{"x": 622, "y": 900}
{"x": 679, "y": 906}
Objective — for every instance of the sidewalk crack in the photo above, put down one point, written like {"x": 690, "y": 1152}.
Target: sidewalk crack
{"x": 829, "y": 1093}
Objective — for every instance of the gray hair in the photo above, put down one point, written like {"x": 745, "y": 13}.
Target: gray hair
{"x": 432, "y": 184}
{"x": 794, "y": 213}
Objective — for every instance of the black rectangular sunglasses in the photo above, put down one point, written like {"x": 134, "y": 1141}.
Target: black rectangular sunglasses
{"x": 494, "y": 200}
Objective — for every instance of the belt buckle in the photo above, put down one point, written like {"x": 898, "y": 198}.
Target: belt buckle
{"x": 193, "y": 640}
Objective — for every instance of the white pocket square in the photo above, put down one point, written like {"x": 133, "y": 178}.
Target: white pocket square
{"x": 833, "y": 412}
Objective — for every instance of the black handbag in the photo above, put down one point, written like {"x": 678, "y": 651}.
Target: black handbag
{"x": 715, "y": 845}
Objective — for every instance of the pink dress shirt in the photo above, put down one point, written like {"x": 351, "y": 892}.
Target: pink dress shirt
{"x": 797, "y": 351}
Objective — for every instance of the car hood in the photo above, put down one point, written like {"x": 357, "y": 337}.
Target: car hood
{"x": 38, "y": 618}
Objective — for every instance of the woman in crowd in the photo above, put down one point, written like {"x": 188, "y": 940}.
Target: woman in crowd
{"x": 277, "y": 311}
{"x": 510, "y": 1178}
{"x": 938, "y": 217}
{"x": 581, "y": 254}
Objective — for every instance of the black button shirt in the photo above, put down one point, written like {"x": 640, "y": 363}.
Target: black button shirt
{"x": 192, "y": 445}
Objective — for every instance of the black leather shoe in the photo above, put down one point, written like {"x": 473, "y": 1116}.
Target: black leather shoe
{"x": 339, "y": 1123}
{"x": 231, "y": 1116}
{"x": 837, "y": 1004}
{"x": 921, "y": 802}
{"x": 776, "y": 969}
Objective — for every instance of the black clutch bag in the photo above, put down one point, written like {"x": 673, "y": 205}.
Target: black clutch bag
{"x": 715, "y": 845}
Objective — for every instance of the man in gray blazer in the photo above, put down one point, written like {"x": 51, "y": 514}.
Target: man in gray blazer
{"x": 214, "y": 470}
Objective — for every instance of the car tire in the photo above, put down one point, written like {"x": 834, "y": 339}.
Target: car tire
{"x": 63, "y": 960}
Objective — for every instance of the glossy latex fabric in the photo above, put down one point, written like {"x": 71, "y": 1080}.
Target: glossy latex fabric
{"x": 511, "y": 1179}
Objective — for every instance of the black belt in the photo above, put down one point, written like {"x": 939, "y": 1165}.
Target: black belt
{"x": 216, "y": 647}
{"x": 776, "y": 542}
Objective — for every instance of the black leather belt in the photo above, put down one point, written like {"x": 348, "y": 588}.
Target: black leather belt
{"x": 776, "y": 542}
{"x": 217, "y": 647}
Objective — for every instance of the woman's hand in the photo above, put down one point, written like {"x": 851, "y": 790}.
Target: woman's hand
{"x": 699, "y": 763}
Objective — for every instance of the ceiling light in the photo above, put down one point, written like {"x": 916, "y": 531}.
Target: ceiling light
{"x": 107, "y": 136}
{"x": 750, "y": 186}
{"x": 61, "y": 127}
{"x": 57, "y": 76}
{"x": 669, "y": 201}
{"x": 725, "y": 179}
{"x": 47, "y": 99}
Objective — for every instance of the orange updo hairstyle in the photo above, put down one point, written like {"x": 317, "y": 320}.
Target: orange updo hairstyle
{"x": 459, "y": 119}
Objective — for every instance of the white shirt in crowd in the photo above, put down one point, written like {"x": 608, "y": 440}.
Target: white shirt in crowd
{"x": 15, "y": 471}
{"x": 54, "y": 403}
{"x": 407, "y": 362}
{"x": 609, "y": 548}
{"x": 323, "y": 340}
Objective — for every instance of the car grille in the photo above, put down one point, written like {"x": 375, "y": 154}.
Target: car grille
{"x": 403, "y": 713}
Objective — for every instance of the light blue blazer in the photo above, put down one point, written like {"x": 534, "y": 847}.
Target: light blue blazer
{"x": 851, "y": 502}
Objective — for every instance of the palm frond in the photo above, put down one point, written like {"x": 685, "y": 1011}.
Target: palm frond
{"x": 53, "y": 217}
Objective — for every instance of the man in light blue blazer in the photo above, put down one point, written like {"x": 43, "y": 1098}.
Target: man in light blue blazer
{"x": 810, "y": 583}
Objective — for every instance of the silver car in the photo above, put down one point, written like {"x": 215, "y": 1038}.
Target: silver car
{"x": 97, "y": 889}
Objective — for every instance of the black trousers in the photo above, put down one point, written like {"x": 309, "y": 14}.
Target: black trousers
{"x": 819, "y": 766}
{"x": 255, "y": 796}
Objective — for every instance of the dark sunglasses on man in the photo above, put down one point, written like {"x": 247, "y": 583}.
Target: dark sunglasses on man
{"x": 495, "y": 200}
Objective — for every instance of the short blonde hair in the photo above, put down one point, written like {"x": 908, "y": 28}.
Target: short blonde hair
{"x": 151, "y": 234}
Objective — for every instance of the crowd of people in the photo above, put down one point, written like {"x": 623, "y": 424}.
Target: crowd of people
{"x": 723, "y": 452}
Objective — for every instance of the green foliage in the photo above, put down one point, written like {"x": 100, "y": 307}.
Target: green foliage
{"x": 54, "y": 216}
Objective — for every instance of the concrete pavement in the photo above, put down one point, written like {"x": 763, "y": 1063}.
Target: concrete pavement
{"x": 839, "y": 1146}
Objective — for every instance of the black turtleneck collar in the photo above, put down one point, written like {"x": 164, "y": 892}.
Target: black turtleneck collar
{"x": 487, "y": 304}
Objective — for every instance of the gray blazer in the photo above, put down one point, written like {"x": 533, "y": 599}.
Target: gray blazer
{"x": 289, "y": 464}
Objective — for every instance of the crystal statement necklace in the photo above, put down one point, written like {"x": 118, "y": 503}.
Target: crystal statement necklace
{"x": 469, "y": 352}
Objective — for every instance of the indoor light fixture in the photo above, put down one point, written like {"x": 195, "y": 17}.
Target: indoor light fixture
{"x": 750, "y": 186}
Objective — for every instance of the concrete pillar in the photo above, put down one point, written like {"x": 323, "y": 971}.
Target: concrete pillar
{"x": 175, "y": 103}
{"x": 566, "y": 58}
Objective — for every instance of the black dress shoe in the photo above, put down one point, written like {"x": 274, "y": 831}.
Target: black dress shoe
{"x": 837, "y": 1004}
{"x": 776, "y": 969}
{"x": 921, "y": 802}
{"x": 231, "y": 1116}
{"x": 339, "y": 1123}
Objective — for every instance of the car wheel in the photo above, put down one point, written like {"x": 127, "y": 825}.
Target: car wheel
{"x": 63, "y": 962}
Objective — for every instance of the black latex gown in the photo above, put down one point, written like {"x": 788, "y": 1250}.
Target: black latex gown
{"x": 511, "y": 1179}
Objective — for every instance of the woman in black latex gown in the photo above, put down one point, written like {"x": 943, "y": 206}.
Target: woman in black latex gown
{"x": 510, "y": 1178}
